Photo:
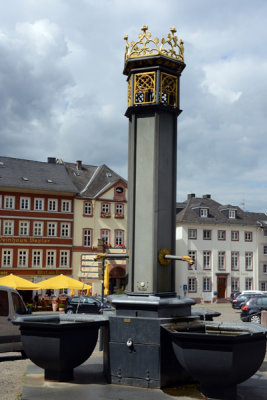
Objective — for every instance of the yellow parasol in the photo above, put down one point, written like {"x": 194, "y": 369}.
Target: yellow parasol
{"x": 63, "y": 282}
{"x": 18, "y": 283}
{"x": 106, "y": 280}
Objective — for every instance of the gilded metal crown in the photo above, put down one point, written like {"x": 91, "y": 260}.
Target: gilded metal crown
{"x": 146, "y": 46}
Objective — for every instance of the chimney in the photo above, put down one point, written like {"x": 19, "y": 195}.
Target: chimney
{"x": 79, "y": 164}
{"x": 191, "y": 196}
{"x": 206, "y": 196}
{"x": 51, "y": 160}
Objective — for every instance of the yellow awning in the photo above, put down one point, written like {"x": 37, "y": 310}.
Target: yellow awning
{"x": 63, "y": 282}
{"x": 18, "y": 283}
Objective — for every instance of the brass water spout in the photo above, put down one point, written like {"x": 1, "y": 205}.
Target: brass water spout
{"x": 165, "y": 257}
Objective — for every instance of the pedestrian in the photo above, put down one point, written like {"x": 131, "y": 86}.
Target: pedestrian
{"x": 36, "y": 301}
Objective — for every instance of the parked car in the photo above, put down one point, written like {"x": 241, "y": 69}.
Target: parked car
{"x": 253, "y": 292}
{"x": 251, "y": 311}
{"x": 233, "y": 296}
{"x": 106, "y": 304}
{"x": 85, "y": 304}
{"x": 240, "y": 300}
{"x": 11, "y": 305}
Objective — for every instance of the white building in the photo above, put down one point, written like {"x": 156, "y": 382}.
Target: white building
{"x": 229, "y": 247}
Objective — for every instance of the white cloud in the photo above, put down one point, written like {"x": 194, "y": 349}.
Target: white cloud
{"x": 220, "y": 78}
{"x": 63, "y": 93}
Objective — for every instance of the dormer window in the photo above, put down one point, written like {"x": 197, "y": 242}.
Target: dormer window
{"x": 232, "y": 214}
{"x": 203, "y": 212}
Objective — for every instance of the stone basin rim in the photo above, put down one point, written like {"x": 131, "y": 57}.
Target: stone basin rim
{"x": 229, "y": 331}
{"x": 60, "y": 321}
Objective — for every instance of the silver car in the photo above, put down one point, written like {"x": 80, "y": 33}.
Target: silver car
{"x": 11, "y": 305}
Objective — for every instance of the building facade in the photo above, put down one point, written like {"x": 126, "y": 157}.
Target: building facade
{"x": 36, "y": 218}
{"x": 100, "y": 212}
{"x": 229, "y": 247}
{"x": 52, "y": 215}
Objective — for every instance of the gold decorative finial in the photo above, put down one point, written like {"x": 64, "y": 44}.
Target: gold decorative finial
{"x": 146, "y": 46}
{"x": 144, "y": 28}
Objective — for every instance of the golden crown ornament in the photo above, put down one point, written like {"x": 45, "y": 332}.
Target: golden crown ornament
{"x": 146, "y": 46}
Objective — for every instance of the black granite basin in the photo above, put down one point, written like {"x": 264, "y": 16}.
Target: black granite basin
{"x": 218, "y": 355}
{"x": 59, "y": 343}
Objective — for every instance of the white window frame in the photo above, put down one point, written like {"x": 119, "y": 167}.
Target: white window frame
{"x": 7, "y": 258}
{"x": 206, "y": 284}
{"x": 37, "y": 258}
{"x": 105, "y": 235}
{"x": 24, "y": 228}
{"x": 87, "y": 237}
{"x": 64, "y": 259}
{"x": 232, "y": 214}
{"x": 23, "y": 257}
{"x": 105, "y": 208}
{"x": 265, "y": 250}
{"x": 51, "y": 258}
{"x": 203, "y": 212}
{"x": 38, "y": 204}
{"x": 119, "y": 209}
{"x": 52, "y": 205}
{"x": 119, "y": 237}
{"x": 206, "y": 259}
{"x": 66, "y": 206}
{"x": 38, "y": 228}
{"x": 235, "y": 260}
{"x": 192, "y": 284}
{"x": 248, "y": 260}
{"x": 9, "y": 202}
{"x": 264, "y": 268}
{"x": 206, "y": 234}
{"x": 248, "y": 283}
{"x": 235, "y": 284}
{"x": 25, "y": 203}
{"x": 221, "y": 260}
{"x": 221, "y": 234}
{"x": 192, "y": 233}
{"x": 234, "y": 236}
{"x": 65, "y": 229}
{"x": 248, "y": 236}
{"x": 8, "y": 228}
{"x": 88, "y": 208}
{"x": 193, "y": 255}
{"x": 52, "y": 229}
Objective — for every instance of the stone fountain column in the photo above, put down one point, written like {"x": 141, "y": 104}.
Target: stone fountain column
{"x": 153, "y": 74}
{"x": 138, "y": 352}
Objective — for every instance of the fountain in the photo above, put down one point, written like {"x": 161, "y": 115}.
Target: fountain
{"x": 148, "y": 330}
{"x": 154, "y": 340}
{"x": 58, "y": 343}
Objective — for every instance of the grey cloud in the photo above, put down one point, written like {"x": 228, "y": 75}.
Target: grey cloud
{"x": 63, "y": 93}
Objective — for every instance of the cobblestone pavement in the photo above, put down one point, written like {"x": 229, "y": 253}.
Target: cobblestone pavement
{"x": 228, "y": 314}
{"x": 13, "y": 367}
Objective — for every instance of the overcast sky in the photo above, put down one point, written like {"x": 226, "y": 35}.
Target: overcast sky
{"x": 62, "y": 92}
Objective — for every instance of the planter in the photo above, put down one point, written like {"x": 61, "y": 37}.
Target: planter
{"x": 105, "y": 215}
{"x": 61, "y": 307}
{"x": 218, "y": 355}
{"x": 58, "y": 343}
